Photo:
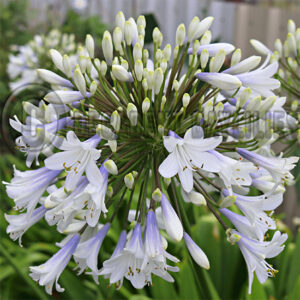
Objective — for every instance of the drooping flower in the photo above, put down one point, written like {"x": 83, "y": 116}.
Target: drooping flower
{"x": 50, "y": 271}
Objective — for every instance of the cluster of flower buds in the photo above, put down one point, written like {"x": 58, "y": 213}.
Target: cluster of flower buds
{"x": 287, "y": 54}
{"x": 22, "y": 65}
{"x": 142, "y": 138}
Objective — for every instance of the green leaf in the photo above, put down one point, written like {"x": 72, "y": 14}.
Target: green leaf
{"x": 295, "y": 293}
{"x": 258, "y": 292}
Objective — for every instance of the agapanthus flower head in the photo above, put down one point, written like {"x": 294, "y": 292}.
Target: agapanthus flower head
{"x": 138, "y": 137}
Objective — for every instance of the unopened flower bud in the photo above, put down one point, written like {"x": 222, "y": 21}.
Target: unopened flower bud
{"x": 115, "y": 120}
{"x": 254, "y": 104}
{"x": 186, "y": 99}
{"x": 90, "y": 45}
{"x": 128, "y": 32}
{"x": 129, "y": 181}
{"x": 161, "y": 129}
{"x": 121, "y": 73}
{"x": 112, "y": 145}
{"x": 158, "y": 80}
{"x": 105, "y": 133}
{"x": 218, "y": 61}
{"x": 158, "y": 55}
{"x": 146, "y": 105}
{"x": 107, "y": 47}
{"x": 164, "y": 65}
{"x": 232, "y": 238}
{"x": 157, "y": 36}
{"x": 145, "y": 56}
{"x": 156, "y": 195}
{"x": 132, "y": 114}
{"x": 145, "y": 84}
{"x": 192, "y": 30}
{"x": 109, "y": 191}
{"x": 150, "y": 79}
{"x": 227, "y": 201}
{"x": 82, "y": 63}
{"x": 291, "y": 26}
{"x": 259, "y": 47}
{"x": 67, "y": 66}
{"x": 236, "y": 57}
{"x": 93, "y": 87}
{"x": 80, "y": 81}
{"x": 120, "y": 20}
{"x": 111, "y": 167}
{"x": 294, "y": 105}
{"x": 138, "y": 69}
{"x": 278, "y": 46}
{"x": 196, "y": 46}
{"x": 204, "y": 58}
{"x": 103, "y": 68}
{"x": 137, "y": 52}
{"x": 266, "y": 105}
{"x": 167, "y": 52}
{"x": 141, "y": 21}
{"x": 206, "y": 38}
{"x": 175, "y": 52}
{"x": 117, "y": 39}
{"x": 57, "y": 59}
{"x": 180, "y": 35}
{"x": 163, "y": 102}
{"x": 292, "y": 44}
{"x": 175, "y": 85}
{"x": 244, "y": 97}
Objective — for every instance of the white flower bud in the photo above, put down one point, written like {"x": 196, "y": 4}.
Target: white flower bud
{"x": 105, "y": 133}
{"x": 57, "y": 59}
{"x": 167, "y": 181}
{"x": 167, "y": 52}
{"x": 206, "y": 38}
{"x": 120, "y": 20}
{"x": 175, "y": 85}
{"x": 93, "y": 87}
{"x": 107, "y": 47}
{"x": 132, "y": 114}
{"x": 266, "y": 105}
{"x": 232, "y": 238}
{"x": 103, "y": 68}
{"x": 292, "y": 44}
{"x": 254, "y": 103}
{"x": 137, "y": 52}
{"x": 146, "y": 105}
{"x": 260, "y": 47}
{"x": 236, "y": 57}
{"x": 121, "y": 73}
{"x": 203, "y": 26}
{"x": 128, "y": 32}
{"x": 80, "y": 81}
{"x": 180, "y": 35}
{"x": 150, "y": 79}
{"x": 117, "y": 39}
{"x": 67, "y": 66}
{"x": 97, "y": 63}
{"x": 204, "y": 56}
{"x": 196, "y": 46}
{"x": 227, "y": 201}
{"x": 53, "y": 78}
{"x": 145, "y": 56}
{"x": 82, "y": 63}
{"x": 158, "y": 55}
{"x": 219, "y": 108}
{"x": 175, "y": 52}
{"x": 196, "y": 252}
{"x": 294, "y": 105}
{"x": 129, "y": 181}
{"x": 291, "y": 26}
{"x": 158, "y": 80}
{"x": 90, "y": 45}
{"x": 115, "y": 120}
{"x": 141, "y": 21}
{"x": 208, "y": 108}
{"x": 186, "y": 99}
{"x": 112, "y": 145}
{"x": 111, "y": 167}
{"x": 157, "y": 37}
{"x": 138, "y": 69}
{"x": 286, "y": 49}
{"x": 156, "y": 195}
{"x": 141, "y": 40}
{"x": 244, "y": 97}
{"x": 145, "y": 84}
{"x": 218, "y": 61}
{"x": 164, "y": 65}
{"x": 278, "y": 46}
{"x": 124, "y": 64}
{"x": 193, "y": 27}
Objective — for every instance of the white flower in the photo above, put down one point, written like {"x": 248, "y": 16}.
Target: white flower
{"x": 26, "y": 188}
{"x": 18, "y": 224}
{"x": 278, "y": 167}
{"x": 188, "y": 155}
{"x": 220, "y": 80}
{"x": 37, "y": 137}
{"x": 129, "y": 261}
{"x": 196, "y": 252}
{"x": 171, "y": 221}
{"x": 87, "y": 251}
{"x": 50, "y": 271}
{"x": 255, "y": 252}
{"x": 77, "y": 157}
